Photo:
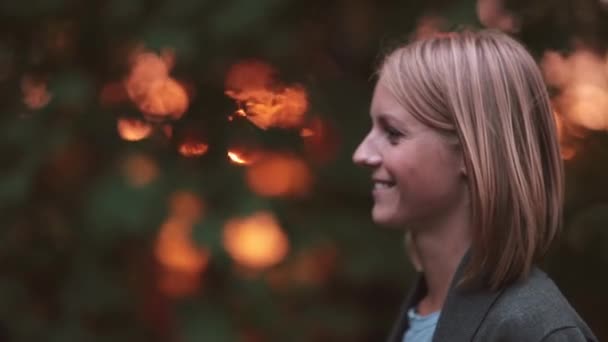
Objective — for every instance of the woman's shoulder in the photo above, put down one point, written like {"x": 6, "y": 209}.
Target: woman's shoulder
{"x": 535, "y": 310}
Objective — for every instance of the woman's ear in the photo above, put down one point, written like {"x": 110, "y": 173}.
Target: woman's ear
{"x": 463, "y": 171}
{"x": 462, "y": 166}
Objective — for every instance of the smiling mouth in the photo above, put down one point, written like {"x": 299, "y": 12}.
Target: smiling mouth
{"x": 381, "y": 185}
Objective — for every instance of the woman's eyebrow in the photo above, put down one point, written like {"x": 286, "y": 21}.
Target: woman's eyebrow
{"x": 391, "y": 120}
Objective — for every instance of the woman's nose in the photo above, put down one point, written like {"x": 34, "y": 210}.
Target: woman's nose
{"x": 366, "y": 155}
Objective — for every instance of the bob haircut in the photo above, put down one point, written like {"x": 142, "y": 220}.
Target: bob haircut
{"x": 484, "y": 91}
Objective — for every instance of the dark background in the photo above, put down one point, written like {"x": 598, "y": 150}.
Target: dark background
{"x": 83, "y": 210}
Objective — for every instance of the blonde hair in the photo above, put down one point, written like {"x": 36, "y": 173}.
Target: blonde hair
{"x": 485, "y": 91}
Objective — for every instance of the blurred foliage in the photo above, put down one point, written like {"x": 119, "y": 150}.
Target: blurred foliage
{"x": 83, "y": 208}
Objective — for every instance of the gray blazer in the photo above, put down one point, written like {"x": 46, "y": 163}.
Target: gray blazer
{"x": 530, "y": 310}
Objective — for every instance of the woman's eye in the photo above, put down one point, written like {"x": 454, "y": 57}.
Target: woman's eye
{"x": 392, "y": 134}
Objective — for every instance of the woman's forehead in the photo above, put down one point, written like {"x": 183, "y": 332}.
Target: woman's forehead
{"x": 385, "y": 103}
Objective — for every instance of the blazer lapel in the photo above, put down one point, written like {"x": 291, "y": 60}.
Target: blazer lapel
{"x": 464, "y": 310}
{"x": 461, "y": 315}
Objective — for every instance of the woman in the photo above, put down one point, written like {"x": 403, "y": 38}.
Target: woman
{"x": 464, "y": 155}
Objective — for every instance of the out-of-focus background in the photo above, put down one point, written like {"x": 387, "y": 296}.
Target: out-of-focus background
{"x": 181, "y": 170}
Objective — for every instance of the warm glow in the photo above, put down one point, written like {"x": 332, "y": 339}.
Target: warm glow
{"x": 267, "y": 103}
{"x": 140, "y": 170}
{"x": 555, "y": 69}
{"x": 238, "y": 112}
{"x": 265, "y": 108}
{"x": 279, "y": 175}
{"x": 175, "y": 249}
{"x": 183, "y": 261}
{"x": 193, "y": 149}
{"x": 582, "y": 80}
{"x": 35, "y": 93}
{"x": 242, "y": 158}
{"x": 186, "y": 205}
{"x": 566, "y": 150}
{"x": 256, "y": 241}
{"x": 587, "y": 105}
{"x": 306, "y": 132}
{"x": 164, "y": 98}
{"x": 133, "y": 129}
{"x": 250, "y": 75}
{"x": 151, "y": 88}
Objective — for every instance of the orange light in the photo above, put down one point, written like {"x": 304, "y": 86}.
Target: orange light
{"x": 266, "y": 108}
{"x": 556, "y": 69}
{"x": 250, "y": 75}
{"x": 140, "y": 170}
{"x": 567, "y": 137}
{"x": 256, "y": 241}
{"x": 150, "y": 87}
{"x": 35, "y": 94}
{"x": 193, "y": 149}
{"x": 186, "y": 205}
{"x": 176, "y": 251}
{"x": 242, "y": 158}
{"x": 267, "y": 102}
{"x": 582, "y": 79}
{"x": 306, "y": 132}
{"x": 164, "y": 99}
{"x": 279, "y": 175}
{"x": 133, "y": 129}
{"x": 239, "y": 112}
{"x": 587, "y": 105}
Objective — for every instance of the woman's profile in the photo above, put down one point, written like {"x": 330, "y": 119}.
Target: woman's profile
{"x": 464, "y": 156}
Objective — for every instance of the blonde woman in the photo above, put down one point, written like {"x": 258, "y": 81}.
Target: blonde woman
{"x": 464, "y": 155}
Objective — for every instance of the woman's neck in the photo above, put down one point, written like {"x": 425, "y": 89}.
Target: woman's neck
{"x": 439, "y": 251}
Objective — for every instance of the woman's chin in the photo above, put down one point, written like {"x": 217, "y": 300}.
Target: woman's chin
{"x": 385, "y": 219}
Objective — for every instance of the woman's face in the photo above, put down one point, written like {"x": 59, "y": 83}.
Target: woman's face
{"x": 417, "y": 176}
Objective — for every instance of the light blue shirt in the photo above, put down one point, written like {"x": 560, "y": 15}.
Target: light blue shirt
{"x": 421, "y": 328}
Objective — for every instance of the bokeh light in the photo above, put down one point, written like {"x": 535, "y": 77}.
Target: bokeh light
{"x": 262, "y": 99}
{"x": 140, "y": 170}
{"x": 241, "y": 157}
{"x": 582, "y": 81}
{"x": 132, "y": 129}
{"x": 153, "y": 90}
{"x": 279, "y": 175}
{"x": 183, "y": 262}
{"x": 193, "y": 148}
{"x": 175, "y": 249}
{"x": 35, "y": 92}
{"x": 256, "y": 241}
{"x": 186, "y": 205}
